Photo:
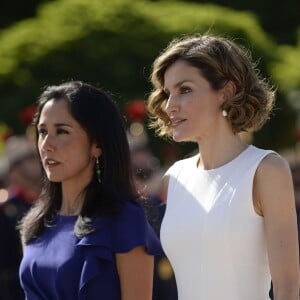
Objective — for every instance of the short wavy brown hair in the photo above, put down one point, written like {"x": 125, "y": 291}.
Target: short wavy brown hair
{"x": 219, "y": 60}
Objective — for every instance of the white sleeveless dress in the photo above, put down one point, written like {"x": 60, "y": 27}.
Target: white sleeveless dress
{"x": 211, "y": 234}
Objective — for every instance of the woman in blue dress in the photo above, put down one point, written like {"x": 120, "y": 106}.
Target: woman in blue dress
{"x": 87, "y": 237}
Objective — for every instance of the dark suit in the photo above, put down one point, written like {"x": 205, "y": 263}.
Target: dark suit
{"x": 10, "y": 248}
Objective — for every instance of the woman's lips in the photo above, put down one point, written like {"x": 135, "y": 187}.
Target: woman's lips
{"x": 176, "y": 122}
{"x": 51, "y": 162}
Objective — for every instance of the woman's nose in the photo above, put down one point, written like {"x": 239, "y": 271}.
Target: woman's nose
{"x": 172, "y": 105}
{"x": 47, "y": 143}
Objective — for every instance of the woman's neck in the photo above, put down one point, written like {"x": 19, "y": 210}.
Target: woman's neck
{"x": 72, "y": 200}
{"x": 215, "y": 152}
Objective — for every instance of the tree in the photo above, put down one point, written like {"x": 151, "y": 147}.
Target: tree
{"x": 279, "y": 18}
{"x": 286, "y": 69}
{"x": 15, "y": 10}
{"x": 111, "y": 44}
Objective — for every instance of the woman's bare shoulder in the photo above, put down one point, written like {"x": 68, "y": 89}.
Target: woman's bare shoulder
{"x": 274, "y": 165}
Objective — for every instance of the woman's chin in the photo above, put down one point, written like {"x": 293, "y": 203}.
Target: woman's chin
{"x": 52, "y": 178}
{"x": 179, "y": 138}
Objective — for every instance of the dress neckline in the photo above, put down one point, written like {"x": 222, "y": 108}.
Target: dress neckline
{"x": 66, "y": 218}
{"x": 225, "y": 165}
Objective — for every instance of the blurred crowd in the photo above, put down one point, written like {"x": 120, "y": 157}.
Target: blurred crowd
{"x": 148, "y": 173}
{"x": 20, "y": 175}
{"x": 296, "y": 178}
{"x": 20, "y": 185}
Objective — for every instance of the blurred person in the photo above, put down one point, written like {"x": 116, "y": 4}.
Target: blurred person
{"x": 296, "y": 179}
{"x": 147, "y": 176}
{"x": 146, "y": 167}
{"x": 21, "y": 174}
{"x": 230, "y": 222}
{"x": 87, "y": 236}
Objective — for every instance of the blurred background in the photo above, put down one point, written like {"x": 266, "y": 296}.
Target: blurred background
{"x": 112, "y": 44}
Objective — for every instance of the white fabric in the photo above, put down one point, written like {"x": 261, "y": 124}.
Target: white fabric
{"x": 211, "y": 234}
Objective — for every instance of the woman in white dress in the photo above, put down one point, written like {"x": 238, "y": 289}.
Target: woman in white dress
{"x": 230, "y": 222}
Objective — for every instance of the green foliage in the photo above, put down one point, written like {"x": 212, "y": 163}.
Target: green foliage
{"x": 279, "y": 18}
{"x": 15, "y": 10}
{"x": 287, "y": 69}
{"x": 280, "y": 131}
{"x": 108, "y": 43}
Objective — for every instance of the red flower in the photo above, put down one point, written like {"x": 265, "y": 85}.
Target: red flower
{"x": 26, "y": 115}
{"x": 136, "y": 111}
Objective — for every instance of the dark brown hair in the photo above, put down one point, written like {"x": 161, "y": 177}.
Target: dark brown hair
{"x": 98, "y": 115}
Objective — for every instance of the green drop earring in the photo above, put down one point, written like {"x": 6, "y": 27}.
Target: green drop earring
{"x": 98, "y": 170}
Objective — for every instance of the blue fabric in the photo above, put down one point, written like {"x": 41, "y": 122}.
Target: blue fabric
{"x": 58, "y": 265}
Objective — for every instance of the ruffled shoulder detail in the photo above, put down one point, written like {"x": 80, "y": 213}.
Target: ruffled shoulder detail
{"x": 132, "y": 229}
{"x": 98, "y": 262}
{"x": 117, "y": 234}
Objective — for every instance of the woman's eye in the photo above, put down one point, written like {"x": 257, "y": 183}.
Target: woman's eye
{"x": 42, "y": 131}
{"x": 166, "y": 93}
{"x": 184, "y": 90}
{"x": 62, "y": 131}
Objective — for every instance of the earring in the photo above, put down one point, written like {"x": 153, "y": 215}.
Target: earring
{"x": 98, "y": 170}
{"x": 224, "y": 113}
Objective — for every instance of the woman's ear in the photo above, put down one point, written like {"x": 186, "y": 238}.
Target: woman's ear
{"x": 96, "y": 150}
{"x": 229, "y": 90}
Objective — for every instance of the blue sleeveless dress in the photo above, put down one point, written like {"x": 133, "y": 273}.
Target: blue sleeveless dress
{"x": 59, "y": 265}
